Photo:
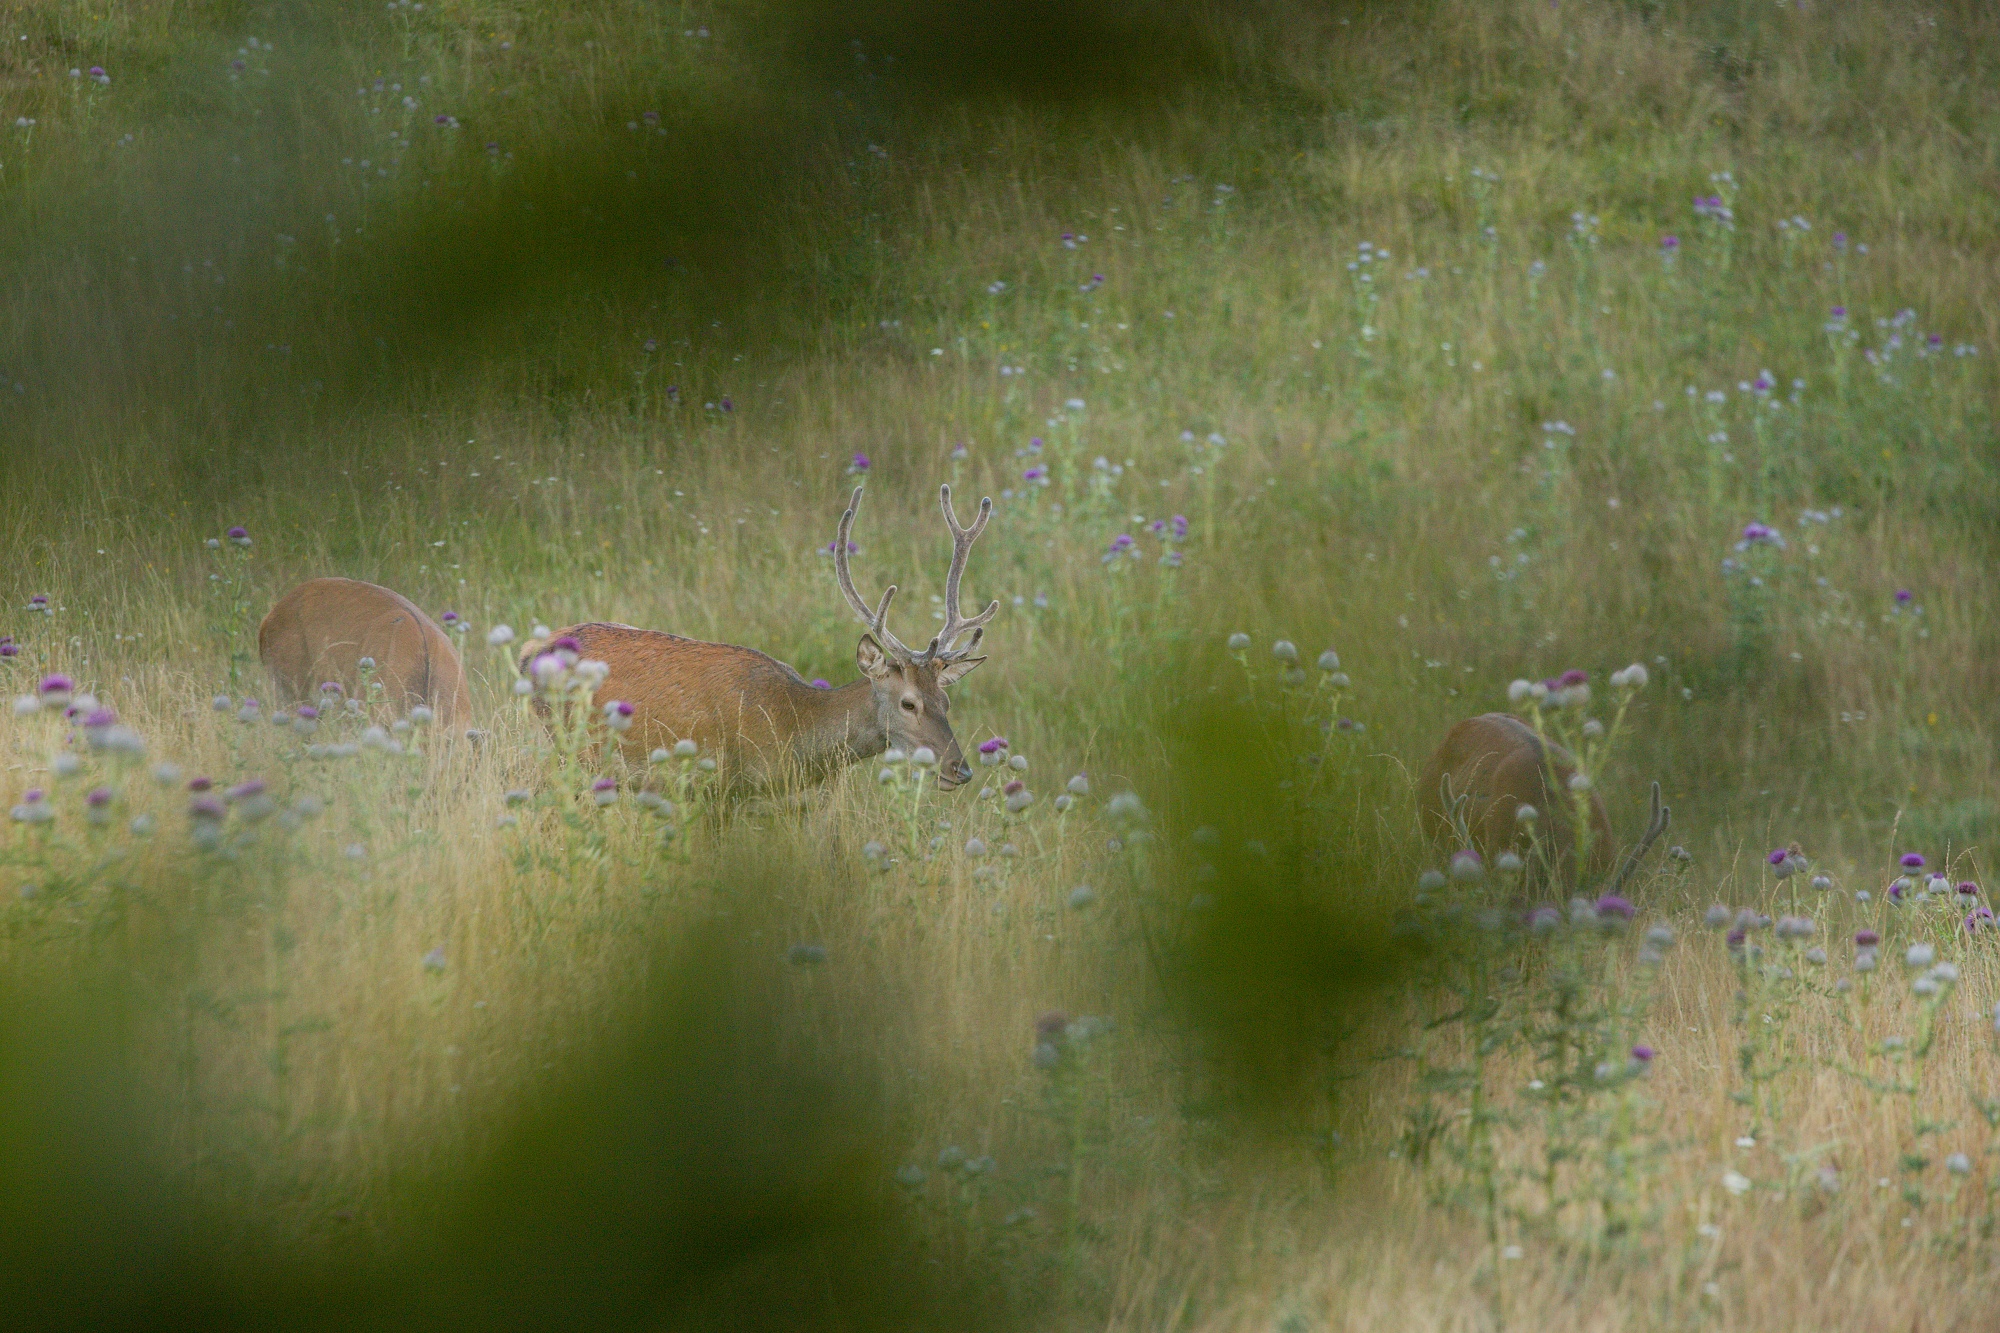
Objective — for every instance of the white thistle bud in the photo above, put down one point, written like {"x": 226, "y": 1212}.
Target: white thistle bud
{"x": 1520, "y": 691}
{"x": 924, "y": 757}
{"x": 1238, "y": 642}
{"x": 500, "y": 636}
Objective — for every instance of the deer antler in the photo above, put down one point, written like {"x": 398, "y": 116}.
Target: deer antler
{"x": 955, "y": 626}
{"x": 876, "y": 620}
{"x": 1655, "y": 826}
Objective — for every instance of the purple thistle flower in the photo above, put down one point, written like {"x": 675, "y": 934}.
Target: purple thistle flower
{"x": 566, "y": 642}
{"x": 9, "y": 649}
{"x": 1180, "y": 527}
{"x": 1777, "y": 858}
{"x": 650, "y": 117}
{"x": 244, "y": 790}
{"x": 1968, "y": 888}
{"x": 1670, "y": 243}
{"x": 622, "y": 708}
{"x": 820, "y": 683}
{"x": 450, "y": 617}
{"x": 1016, "y": 785}
{"x": 207, "y": 807}
{"x": 1978, "y": 919}
{"x": 859, "y": 463}
{"x": 1611, "y": 905}
{"x": 308, "y": 712}
{"x": 100, "y": 717}
{"x": 239, "y": 535}
{"x": 332, "y": 687}
{"x": 440, "y": 119}
{"x": 1904, "y": 596}
{"x": 1866, "y": 939}
{"x": 57, "y": 684}
{"x": 729, "y": 404}
{"x": 605, "y": 784}
{"x": 959, "y": 451}
{"x": 650, "y": 346}
{"x": 98, "y": 798}
{"x": 1573, "y": 676}
{"x": 39, "y": 600}
{"x": 1840, "y": 312}
{"x": 1035, "y": 474}
{"x": 1734, "y": 939}
{"x": 1642, "y": 1053}
{"x": 200, "y": 784}
{"x": 993, "y": 746}
{"x": 1840, "y": 240}
{"x": 1913, "y": 860}
{"x": 1347, "y": 724}
{"x": 1049, "y": 1026}
{"x": 673, "y": 393}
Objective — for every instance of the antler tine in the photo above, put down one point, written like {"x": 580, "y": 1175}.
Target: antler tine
{"x": 876, "y": 620}
{"x": 962, "y": 538}
{"x": 1655, "y": 826}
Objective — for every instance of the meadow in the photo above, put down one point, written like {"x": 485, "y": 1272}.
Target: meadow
{"x": 1466, "y": 343}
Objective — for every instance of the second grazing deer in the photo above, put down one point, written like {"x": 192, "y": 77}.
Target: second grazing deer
{"x": 323, "y": 630}
{"x": 762, "y": 717}
{"x": 1488, "y": 769}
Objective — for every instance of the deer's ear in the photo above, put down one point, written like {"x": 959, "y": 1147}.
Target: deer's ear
{"x": 868, "y": 655}
{"x": 950, "y": 675}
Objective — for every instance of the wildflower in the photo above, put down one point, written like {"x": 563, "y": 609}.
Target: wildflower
{"x": 1039, "y": 476}
{"x": 1864, "y": 960}
{"x": 1507, "y": 863}
{"x": 821, "y": 683}
{"x": 1633, "y": 677}
{"x": 1079, "y": 785}
{"x": 434, "y": 960}
{"x": 1913, "y": 861}
{"x": 1679, "y": 854}
{"x": 1081, "y": 897}
{"x": 1920, "y": 955}
{"x": 500, "y": 635}
{"x": 1284, "y": 651}
{"x": 1526, "y": 814}
{"x": 1544, "y": 920}
{"x": 1735, "y": 938}
{"x": 1612, "y": 908}
{"x": 34, "y": 807}
{"x": 910, "y": 1177}
{"x": 1866, "y": 939}
{"x": 1430, "y": 881}
{"x": 1904, "y": 596}
{"x": 238, "y": 536}
{"x": 1579, "y": 782}
{"x": 1735, "y": 1182}
{"x": 1796, "y": 927}
{"x": 618, "y": 715}
{"x": 1239, "y": 642}
{"x": 1018, "y": 762}
{"x": 975, "y": 847}
{"x": 1821, "y": 883}
{"x": 1519, "y": 692}
{"x": 421, "y": 715}
{"x": 56, "y": 691}
{"x": 1967, "y": 889}
{"x": 1760, "y": 534}
{"x": 923, "y": 757}
{"x": 1466, "y": 867}
{"x": 1958, "y": 1164}
{"x": 858, "y": 465}
{"x": 1019, "y": 798}
{"x": 1978, "y": 919}
{"x": 1642, "y": 1055}
{"x": 686, "y": 748}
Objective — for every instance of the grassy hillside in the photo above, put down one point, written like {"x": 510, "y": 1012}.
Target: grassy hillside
{"x": 1472, "y": 342}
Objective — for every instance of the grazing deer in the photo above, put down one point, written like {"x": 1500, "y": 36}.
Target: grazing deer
{"x": 760, "y": 716}
{"x": 321, "y": 630}
{"x": 1487, "y": 769}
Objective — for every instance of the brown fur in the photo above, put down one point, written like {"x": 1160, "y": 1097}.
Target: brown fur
{"x": 320, "y": 631}
{"x": 756, "y": 715}
{"x": 1497, "y": 761}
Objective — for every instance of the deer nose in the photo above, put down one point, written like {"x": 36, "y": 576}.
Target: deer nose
{"x": 949, "y": 777}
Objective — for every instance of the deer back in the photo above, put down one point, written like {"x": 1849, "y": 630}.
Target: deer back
{"x": 1498, "y": 764}
{"x": 751, "y": 711}
{"x": 320, "y": 631}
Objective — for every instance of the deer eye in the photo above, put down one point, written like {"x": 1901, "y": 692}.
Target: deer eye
{"x": 909, "y": 705}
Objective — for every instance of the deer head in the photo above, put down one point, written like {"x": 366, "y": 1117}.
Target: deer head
{"x": 908, "y": 688}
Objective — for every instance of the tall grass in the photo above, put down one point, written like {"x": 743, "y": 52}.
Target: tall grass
{"x": 1381, "y": 304}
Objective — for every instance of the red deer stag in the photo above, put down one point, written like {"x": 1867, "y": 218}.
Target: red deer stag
{"x": 1488, "y": 769}
{"x": 759, "y": 716}
{"x": 321, "y": 630}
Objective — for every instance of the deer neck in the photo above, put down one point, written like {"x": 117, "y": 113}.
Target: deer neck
{"x": 841, "y": 725}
